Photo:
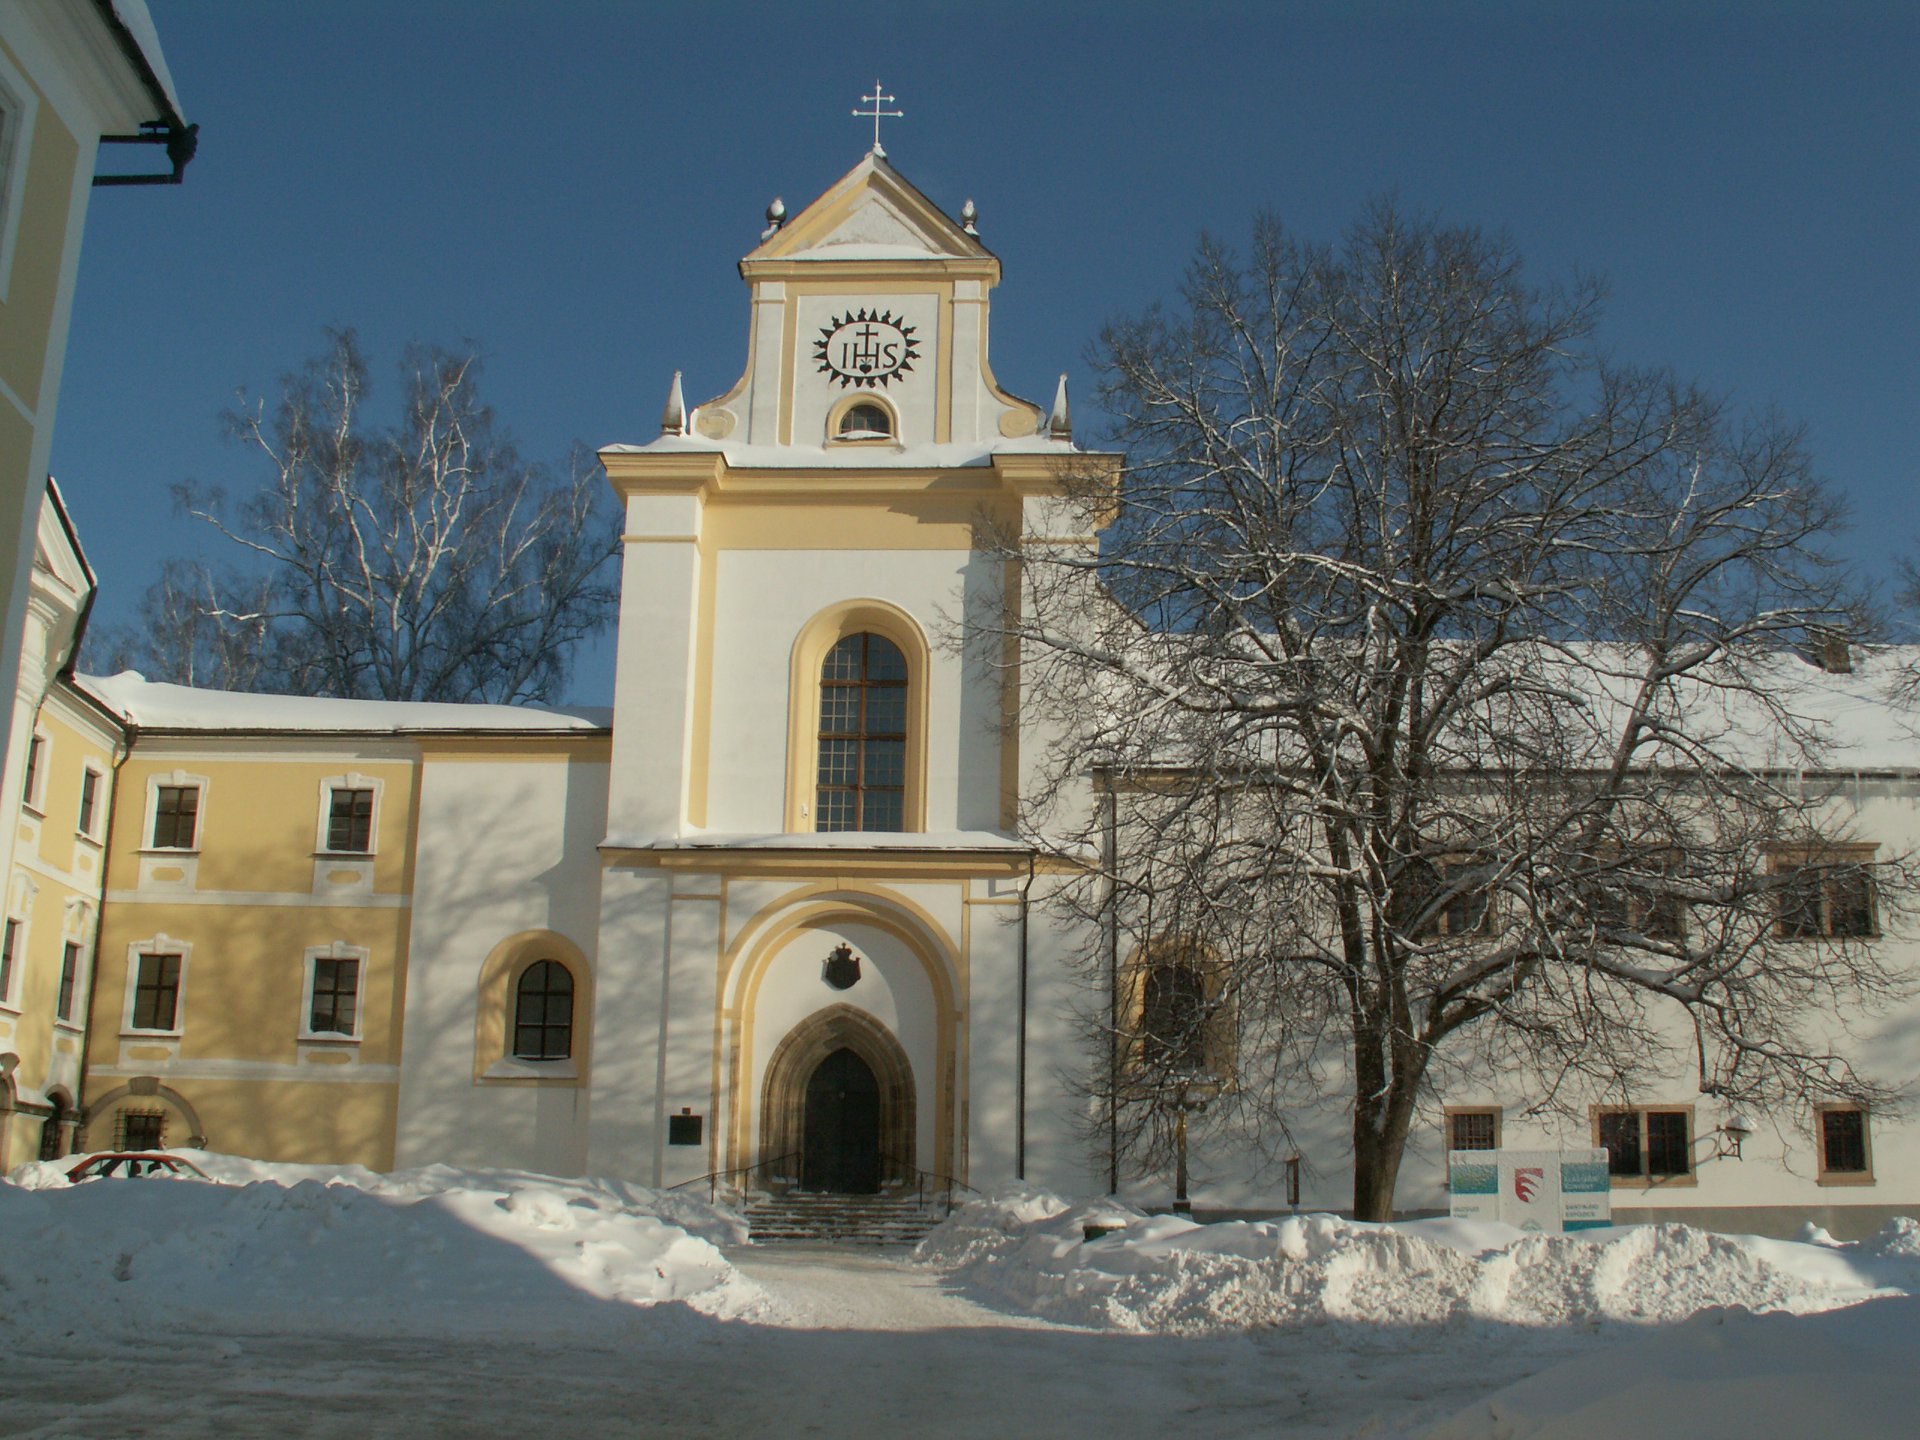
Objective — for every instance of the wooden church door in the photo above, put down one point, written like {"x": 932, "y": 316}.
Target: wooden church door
{"x": 842, "y": 1132}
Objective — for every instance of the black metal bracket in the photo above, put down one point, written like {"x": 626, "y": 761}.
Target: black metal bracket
{"x": 181, "y": 142}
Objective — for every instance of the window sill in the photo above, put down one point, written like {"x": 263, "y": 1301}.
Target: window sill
{"x": 1653, "y": 1182}
{"x": 513, "y": 1069}
{"x": 130, "y": 1034}
{"x": 1847, "y": 1177}
{"x": 171, "y": 853}
{"x": 344, "y": 854}
{"x": 28, "y": 807}
{"x": 327, "y": 1037}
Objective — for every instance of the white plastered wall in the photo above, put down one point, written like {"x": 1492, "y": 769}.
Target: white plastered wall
{"x": 764, "y": 598}
{"x": 503, "y": 848}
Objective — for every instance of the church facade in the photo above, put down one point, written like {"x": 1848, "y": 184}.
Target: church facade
{"x": 769, "y": 919}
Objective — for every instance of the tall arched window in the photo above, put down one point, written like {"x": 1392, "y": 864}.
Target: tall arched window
{"x": 543, "y": 1012}
{"x": 862, "y": 774}
{"x": 1173, "y": 1018}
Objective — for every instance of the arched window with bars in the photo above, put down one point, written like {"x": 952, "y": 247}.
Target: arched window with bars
{"x": 862, "y": 770}
{"x": 543, "y": 1012}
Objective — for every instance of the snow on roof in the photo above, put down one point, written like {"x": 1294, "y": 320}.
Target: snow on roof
{"x": 134, "y": 16}
{"x": 850, "y": 457}
{"x": 152, "y": 705}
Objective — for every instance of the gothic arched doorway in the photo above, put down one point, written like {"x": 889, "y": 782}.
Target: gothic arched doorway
{"x": 838, "y": 1103}
{"x": 841, "y": 1134}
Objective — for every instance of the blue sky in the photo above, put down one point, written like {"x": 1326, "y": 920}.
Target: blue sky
{"x": 570, "y": 184}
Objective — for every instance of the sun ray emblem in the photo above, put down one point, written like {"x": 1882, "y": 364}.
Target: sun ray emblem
{"x": 866, "y": 349}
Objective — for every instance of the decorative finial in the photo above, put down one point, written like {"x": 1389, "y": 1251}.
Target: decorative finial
{"x": 776, "y": 217}
{"x": 673, "y": 420}
{"x": 1060, "y": 423}
{"x": 969, "y": 218}
{"x": 877, "y": 99}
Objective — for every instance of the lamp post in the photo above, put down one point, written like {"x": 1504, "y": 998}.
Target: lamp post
{"x": 1189, "y": 1094}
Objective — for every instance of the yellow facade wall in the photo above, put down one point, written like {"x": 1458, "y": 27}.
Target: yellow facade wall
{"x": 260, "y": 818}
{"x": 290, "y": 1121}
{"x": 53, "y": 899}
{"x": 33, "y": 289}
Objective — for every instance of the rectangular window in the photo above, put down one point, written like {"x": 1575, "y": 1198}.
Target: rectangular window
{"x": 140, "y": 1130}
{"x": 89, "y": 799}
{"x": 69, "y": 973}
{"x": 156, "y": 993}
{"x": 1645, "y": 1143}
{"x": 1843, "y": 1143}
{"x": 176, "y": 816}
{"x": 350, "y": 822}
{"x": 1827, "y": 902}
{"x": 30, "y": 791}
{"x": 335, "y": 1007}
{"x": 8, "y": 940}
{"x": 1473, "y": 1129}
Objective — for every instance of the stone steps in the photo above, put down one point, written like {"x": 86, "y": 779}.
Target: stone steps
{"x": 799, "y": 1218}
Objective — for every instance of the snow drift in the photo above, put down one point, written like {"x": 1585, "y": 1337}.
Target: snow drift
{"x": 1166, "y": 1274}
{"x": 312, "y": 1249}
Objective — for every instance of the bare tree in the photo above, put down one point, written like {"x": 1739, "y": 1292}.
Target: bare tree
{"x": 1430, "y": 678}
{"x": 426, "y": 561}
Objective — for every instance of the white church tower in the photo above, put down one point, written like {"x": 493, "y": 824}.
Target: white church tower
{"x": 814, "y": 955}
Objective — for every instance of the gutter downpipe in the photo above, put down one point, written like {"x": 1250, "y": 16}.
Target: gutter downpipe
{"x": 1020, "y": 1082}
{"x": 1110, "y": 923}
{"x": 80, "y": 1116}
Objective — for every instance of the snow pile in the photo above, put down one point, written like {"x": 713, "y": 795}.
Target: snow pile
{"x": 312, "y": 1249}
{"x": 1166, "y": 1274}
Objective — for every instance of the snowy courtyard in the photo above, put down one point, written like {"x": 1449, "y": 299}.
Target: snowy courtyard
{"x": 290, "y": 1300}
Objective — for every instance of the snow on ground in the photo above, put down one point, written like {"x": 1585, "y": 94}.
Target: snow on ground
{"x": 314, "y": 1301}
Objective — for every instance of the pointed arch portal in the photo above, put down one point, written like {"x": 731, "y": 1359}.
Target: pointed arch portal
{"x": 839, "y": 1096}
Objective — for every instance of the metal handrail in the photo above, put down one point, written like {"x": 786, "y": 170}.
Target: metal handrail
{"x": 943, "y": 1183}
{"x": 713, "y": 1178}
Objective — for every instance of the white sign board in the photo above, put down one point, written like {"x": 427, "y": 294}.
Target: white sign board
{"x": 1551, "y": 1190}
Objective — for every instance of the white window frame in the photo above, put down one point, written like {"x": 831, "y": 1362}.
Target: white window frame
{"x": 161, "y": 944}
{"x": 95, "y": 832}
{"x": 18, "y": 963}
{"x": 154, "y": 786}
{"x": 19, "y": 109}
{"x": 338, "y": 950}
{"x": 352, "y": 780}
{"x": 77, "y": 931}
{"x": 34, "y": 796}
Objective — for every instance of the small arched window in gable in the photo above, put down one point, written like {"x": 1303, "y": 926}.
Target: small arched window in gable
{"x": 863, "y": 736}
{"x": 866, "y": 421}
{"x": 543, "y": 1012}
{"x": 1173, "y": 1018}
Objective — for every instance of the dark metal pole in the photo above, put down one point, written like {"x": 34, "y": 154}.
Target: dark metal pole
{"x": 1181, "y": 1205}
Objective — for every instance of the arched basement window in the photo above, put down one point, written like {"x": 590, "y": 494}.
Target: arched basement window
{"x": 543, "y": 1012}
{"x": 863, "y": 736}
{"x": 1173, "y": 1018}
{"x": 866, "y": 421}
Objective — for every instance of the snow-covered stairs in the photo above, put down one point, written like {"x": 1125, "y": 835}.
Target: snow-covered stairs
{"x": 839, "y": 1219}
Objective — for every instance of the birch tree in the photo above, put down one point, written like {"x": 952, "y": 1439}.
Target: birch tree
{"x": 425, "y": 560}
{"x": 1433, "y": 680}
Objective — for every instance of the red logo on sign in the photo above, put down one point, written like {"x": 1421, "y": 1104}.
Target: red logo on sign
{"x": 1527, "y": 1183}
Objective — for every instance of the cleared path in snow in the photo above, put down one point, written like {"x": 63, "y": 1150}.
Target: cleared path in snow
{"x": 848, "y": 1343}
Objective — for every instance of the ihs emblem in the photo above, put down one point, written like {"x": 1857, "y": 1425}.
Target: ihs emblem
{"x": 866, "y": 347}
